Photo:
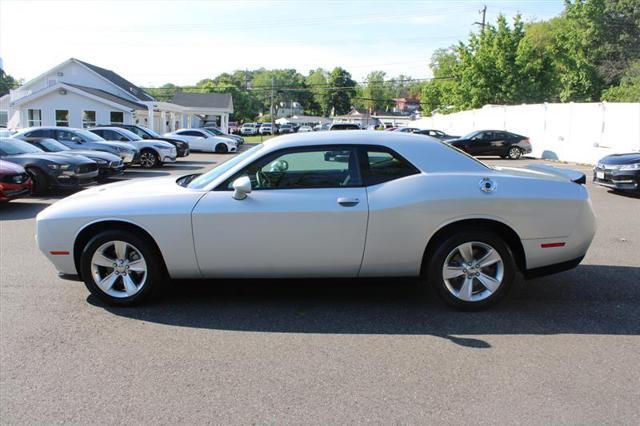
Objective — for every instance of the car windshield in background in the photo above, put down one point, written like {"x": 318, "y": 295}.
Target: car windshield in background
{"x": 88, "y": 136}
{"x": 150, "y": 132}
{"x": 130, "y": 135}
{"x": 469, "y": 135}
{"x": 51, "y": 145}
{"x": 205, "y": 179}
{"x": 214, "y": 132}
{"x": 15, "y": 147}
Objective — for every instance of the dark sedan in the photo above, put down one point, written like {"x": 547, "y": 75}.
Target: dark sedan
{"x": 619, "y": 172}
{"x": 14, "y": 182}
{"x": 494, "y": 142}
{"x": 182, "y": 147}
{"x": 48, "y": 170}
{"x": 108, "y": 164}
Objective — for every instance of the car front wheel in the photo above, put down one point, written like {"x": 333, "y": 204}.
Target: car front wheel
{"x": 148, "y": 159}
{"x": 40, "y": 181}
{"x": 222, "y": 148}
{"x": 121, "y": 268}
{"x": 471, "y": 270}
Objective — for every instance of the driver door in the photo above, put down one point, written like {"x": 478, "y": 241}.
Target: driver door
{"x": 305, "y": 217}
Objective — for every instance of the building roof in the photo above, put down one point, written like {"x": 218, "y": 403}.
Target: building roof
{"x": 108, "y": 96}
{"x": 203, "y": 100}
{"x": 119, "y": 81}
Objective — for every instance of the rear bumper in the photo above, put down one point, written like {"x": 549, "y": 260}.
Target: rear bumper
{"x": 553, "y": 269}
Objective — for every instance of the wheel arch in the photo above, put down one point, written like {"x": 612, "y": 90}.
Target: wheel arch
{"x": 91, "y": 229}
{"x": 506, "y": 232}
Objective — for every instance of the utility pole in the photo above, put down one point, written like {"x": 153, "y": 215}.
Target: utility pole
{"x": 271, "y": 112}
{"x": 483, "y": 11}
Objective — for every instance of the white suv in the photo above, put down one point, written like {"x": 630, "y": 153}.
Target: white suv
{"x": 248, "y": 129}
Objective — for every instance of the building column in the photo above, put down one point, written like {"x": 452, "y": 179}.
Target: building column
{"x": 224, "y": 122}
{"x": 163, "y": 122}
{"x": 150, "y": 123}
{"x": 189, "y": 120}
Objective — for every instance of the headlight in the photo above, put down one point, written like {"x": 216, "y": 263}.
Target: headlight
{"x": 101, "y": 161}
{"x": 161, "y": 147}
{"x": 635, "y": 166}
{"x": 59, "y": 166}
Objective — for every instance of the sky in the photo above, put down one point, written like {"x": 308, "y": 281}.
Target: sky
{"x": 152, "y": 42}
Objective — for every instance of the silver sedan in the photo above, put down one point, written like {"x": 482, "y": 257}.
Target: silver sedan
{"x": 329, "y": 204}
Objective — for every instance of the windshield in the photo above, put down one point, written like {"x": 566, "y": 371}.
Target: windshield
{"x": 205, "y": 179}
{"x": 9, "y": 146}
{"x": 129, "y": 135}
{"x": 51, "y": 145}
{"x": 469, "y": 135}
{"x": 214, "y": 132}
{"x": 87, "y": 135}
{"x": 150, "y": 132}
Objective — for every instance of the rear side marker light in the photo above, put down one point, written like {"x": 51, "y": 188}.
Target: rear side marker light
{"x": 59, "y": 253}
{"x": 549, "y": 245}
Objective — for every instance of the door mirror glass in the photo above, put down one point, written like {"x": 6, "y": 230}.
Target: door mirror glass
{"x": 123, "y": 139}
{"x": 76, "y": 139}
{"x": 241, "y": 187}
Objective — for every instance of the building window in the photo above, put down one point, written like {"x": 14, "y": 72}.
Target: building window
{"x": 88, "y": 119}
{"x": 4, "y": 118}
{"x": 117, "y": 117}
{"x": 34, "y": 117}
{"x": 62, "y": 117}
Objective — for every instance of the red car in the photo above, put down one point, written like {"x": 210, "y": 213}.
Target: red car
{"x": 14, "y": 182}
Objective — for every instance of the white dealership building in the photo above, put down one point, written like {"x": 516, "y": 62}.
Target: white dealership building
{"x": 78, "y": 94}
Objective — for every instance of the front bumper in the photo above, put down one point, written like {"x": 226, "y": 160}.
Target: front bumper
{"x": 183, "y": 152}
{"x": 627, "y": 180}
{"x": 72, "y": 181}
{"x": 10, "y": 191}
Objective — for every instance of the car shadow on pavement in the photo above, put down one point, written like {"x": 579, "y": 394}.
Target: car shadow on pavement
{"x": 16, "y": 210}
{"x": 590, "y": 299}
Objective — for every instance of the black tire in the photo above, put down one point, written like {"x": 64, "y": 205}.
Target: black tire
{"x": 40, "y": 181}
{"x": 514, "y": 153}
{"x": 222, "y": 148}
{"x": 149, "y": 159}
{"x": 435, "y": 264}
{"x": 156, "y": 272}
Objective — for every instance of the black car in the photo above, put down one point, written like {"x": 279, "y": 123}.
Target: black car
{"x": 619, "y": 172}
{"x": 494, "y": 142}
{"x": 438, "y": 134}
{"x": 108, "y": 164}
{"x": 345, "y": 126}
{"x": 48, "y": 170}
{"x": 182, "y": 147}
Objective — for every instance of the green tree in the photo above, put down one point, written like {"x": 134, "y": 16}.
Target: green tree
{"x": 7, "y": 82}
{"x": 316, "y": 82}
{"x": 376, "y": 92}
{"x": 629, "y": 88}
{"x": 341, "y": 90}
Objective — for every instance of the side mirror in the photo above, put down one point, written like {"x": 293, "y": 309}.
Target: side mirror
{"x": 241, "y": 187}
{"x": 123, "y": 139}
{"x": 76, "y": 139}
{"x": 145, "y": 136}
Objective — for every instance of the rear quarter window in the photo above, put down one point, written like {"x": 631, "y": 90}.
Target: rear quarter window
{"x": 381, "y": 165}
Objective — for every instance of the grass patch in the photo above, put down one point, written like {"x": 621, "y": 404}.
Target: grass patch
{"x": 257, "y": 138}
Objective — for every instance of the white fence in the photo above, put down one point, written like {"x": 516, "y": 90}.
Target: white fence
{"x": 580, "y": 132}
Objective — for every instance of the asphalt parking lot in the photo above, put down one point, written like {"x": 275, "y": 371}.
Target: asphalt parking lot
{"x": 563, "y": 349}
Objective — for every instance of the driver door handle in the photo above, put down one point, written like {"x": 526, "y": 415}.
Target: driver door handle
{"x": 348, "y": 202}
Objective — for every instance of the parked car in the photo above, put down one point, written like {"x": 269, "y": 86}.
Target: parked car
{"x": 248, "y": 129}
{"x": 405, "y": 129}
{"x": 286, "y": 128}
{"x": 217, "y": 132}
{"x": 266, "y": 129}
{"x": 109, "y": 165}
{"x": 438, "y": 134}
{"x": 345, "y": 126}
{"x": 234, "y": 129}
{"x": 321, "y": 127}
{"x": 182, "y": 146}
{"x": 4, "y": 133}
{"x": 381, "y": 206}
{"x": 153, "y": 153}
{"x": 619, "y": 171}
{"x": 305, "y": 129}
{"x": 82, "y": 139}
{"x": 14, "y": 181}
{"x": 48, "y": 170}
{"x": 201, "y": 140}
{"x": 494, "y": 142}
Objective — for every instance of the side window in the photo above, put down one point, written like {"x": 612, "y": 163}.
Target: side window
{"x": 190, "y": 133}
{"x": 109, "y": 135}
{"x": 65, "y": 135}
{"x": 383, "y": 166}
{"x": 40, "y": 133}
{"x": 307, "y": 168}
{"x": 98, "y": 132}
{"x": 501, "y": 135}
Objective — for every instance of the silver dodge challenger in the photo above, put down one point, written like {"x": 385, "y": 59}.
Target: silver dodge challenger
{"x": 327, "y": 204}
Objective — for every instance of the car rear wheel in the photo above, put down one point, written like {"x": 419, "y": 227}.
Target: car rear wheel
{"x": 121, "y": 268}
{"x": 148, "y": 159}
{"x": 222, "y": 148}
{"x": 514, "y": 153}
{"x": 472, "y": 269}
{"x": 40, "y": 181}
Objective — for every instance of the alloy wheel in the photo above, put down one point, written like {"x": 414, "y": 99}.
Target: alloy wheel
{"x": 514, "y": 153}
{"x": 119, "y": 269}
{"x": 147, "y": 159}
{"x": 473, "y": 271}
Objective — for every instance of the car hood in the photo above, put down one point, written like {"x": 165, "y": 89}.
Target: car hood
{"x": 7, "y": 167}
{"x": 151, "y": 142}
{"x": 116, "y": 144}
{"x": 91, "y": 154}
{"x": 51, "y": 157}
{"x": 165, "y": 186}
{"x": 617, "y": 159}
